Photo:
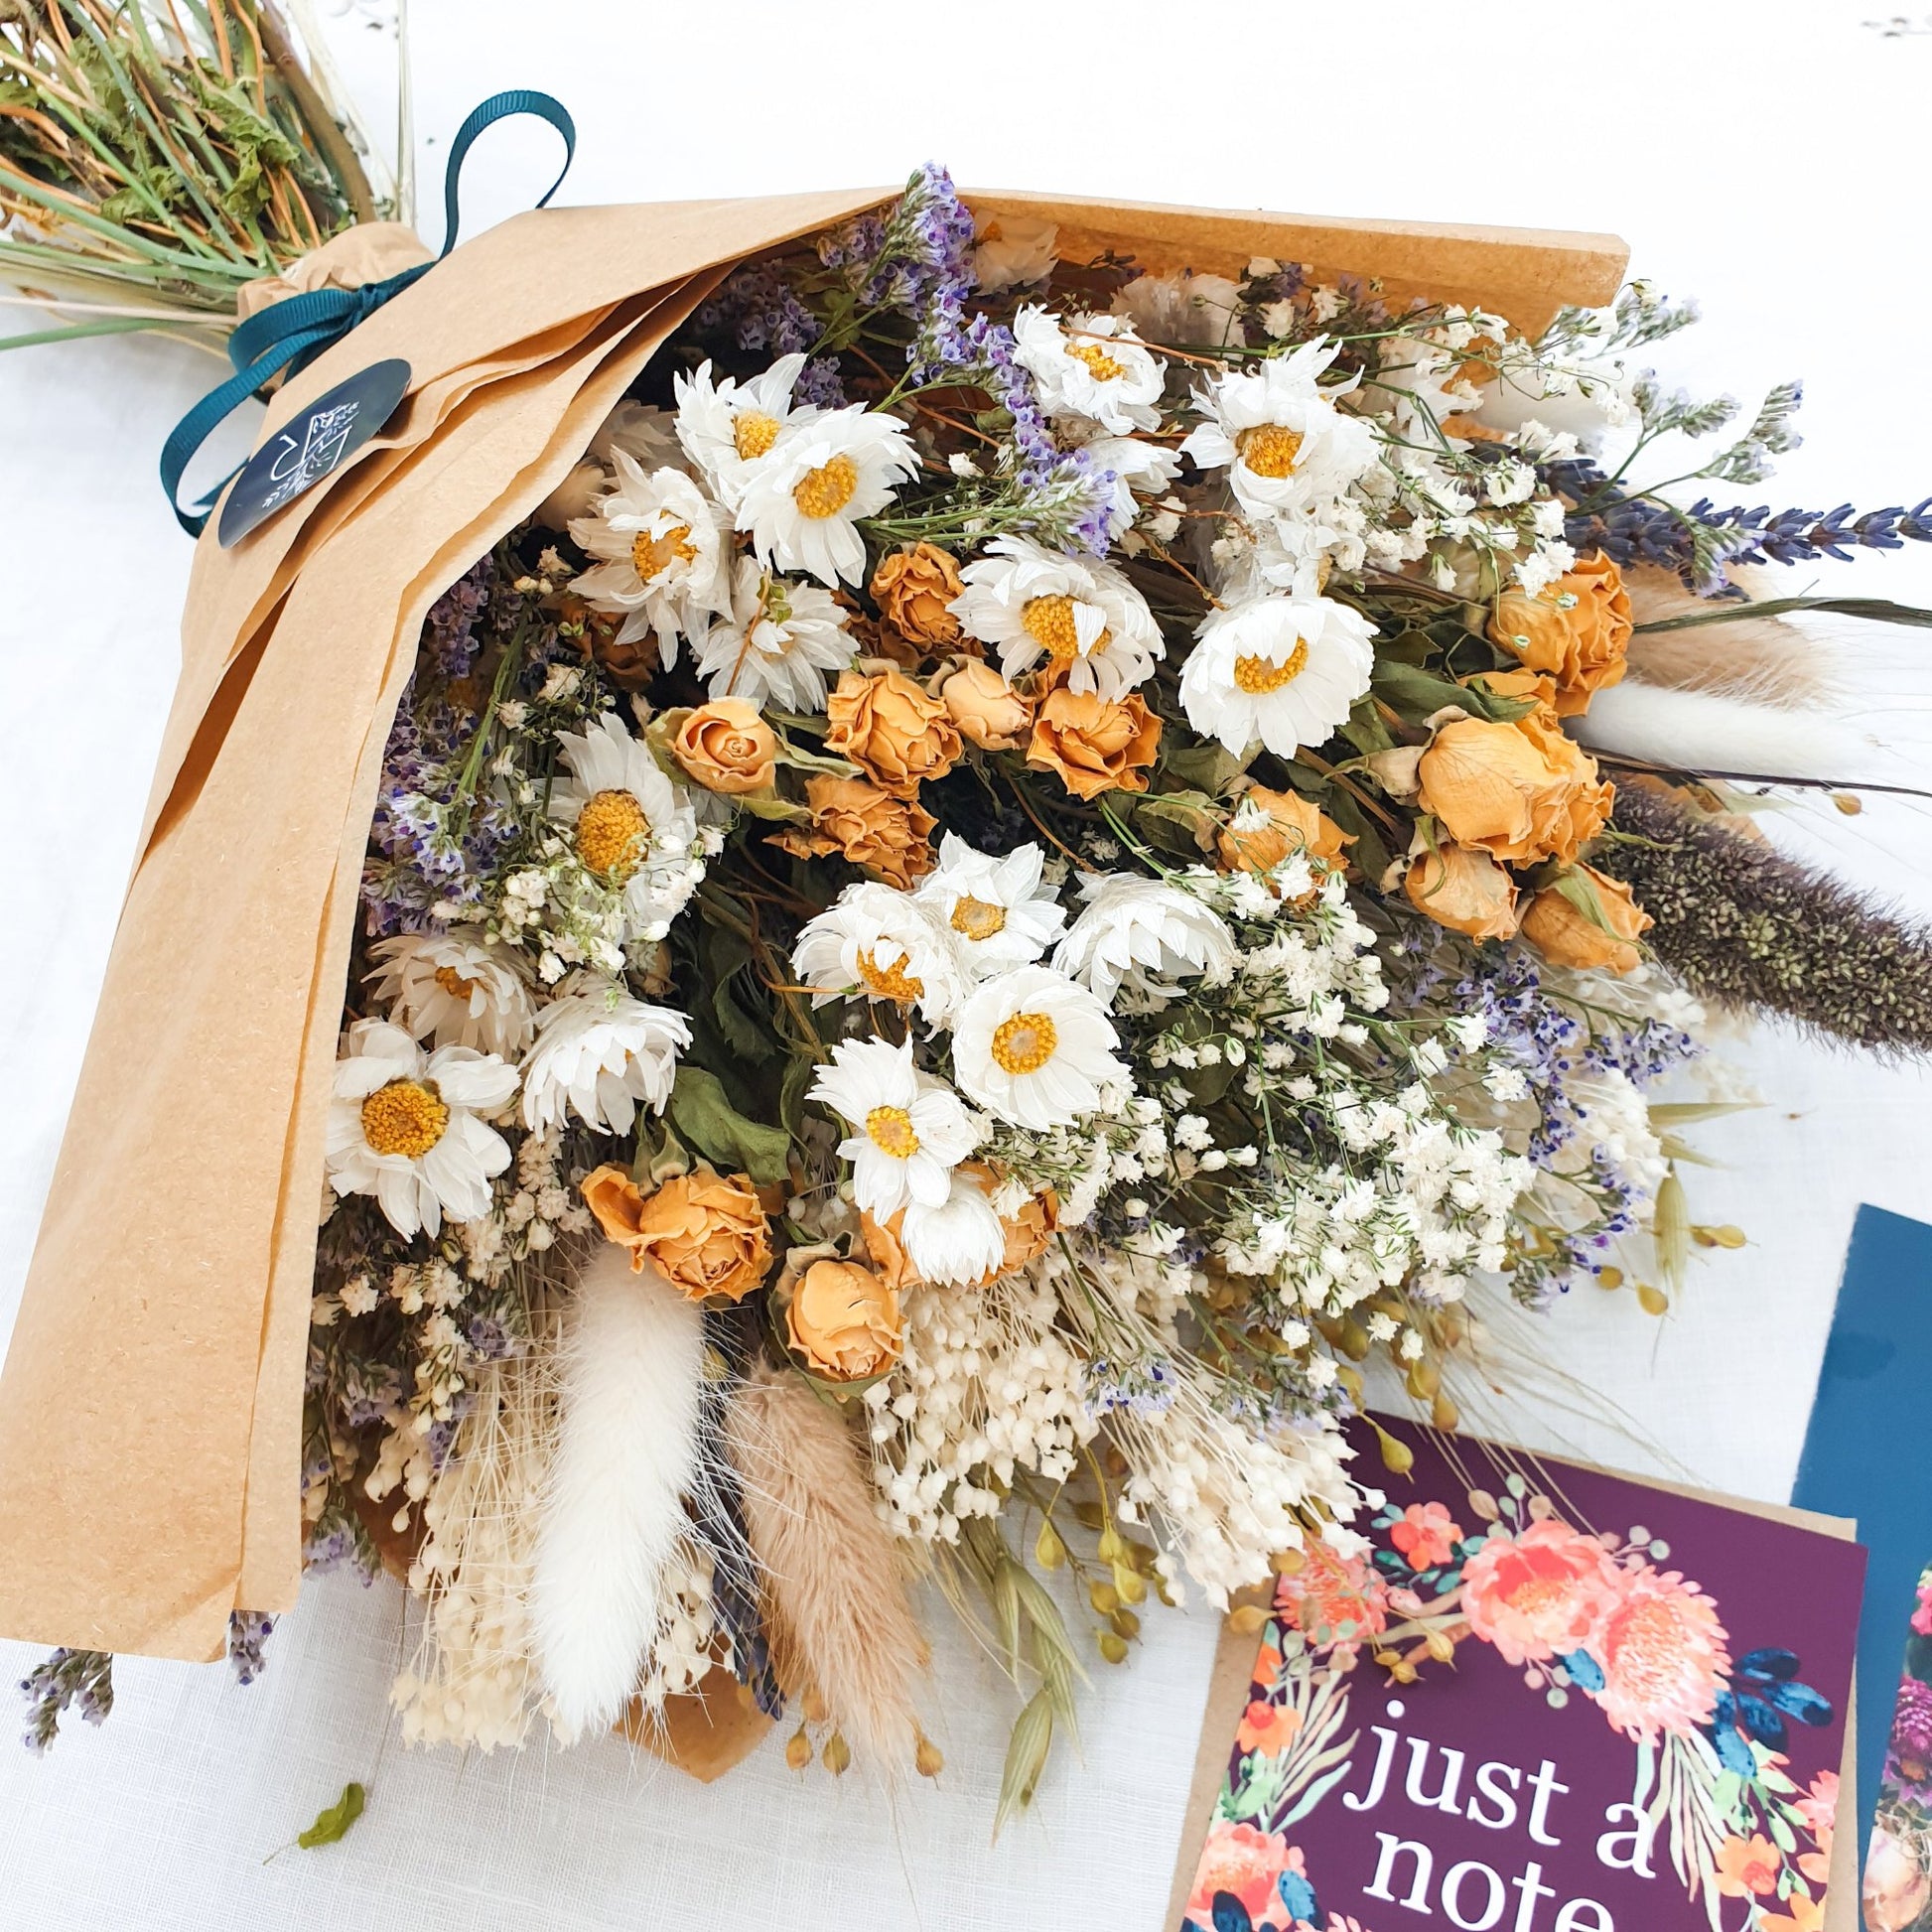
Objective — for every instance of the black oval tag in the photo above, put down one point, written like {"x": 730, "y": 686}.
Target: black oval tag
{"x": 313, "y": 446}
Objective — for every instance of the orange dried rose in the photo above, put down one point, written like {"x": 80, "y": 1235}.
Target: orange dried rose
{"x": 885, "y": 724}
{"x": 873, "y": 829}
{"x": 1029, "y": 1232}
{"x": 727, "y": 748}
{"x": 1294, "y": 825}
{"x": 1520, "y": 790}
{"x": 1567, "y": 935}
{"x": 1576, "y": 632}
{"x": 704, "y": 1232}
{"x": 630, "y": 665}
{"x": 1463, "y": 889}
{"x": 887, "y": 1252}
{"x": 915, "y": 589}
{"x": 1094, "y": 743}
{"x": 844, "y": 1321}
{"x": 985, "y": 708}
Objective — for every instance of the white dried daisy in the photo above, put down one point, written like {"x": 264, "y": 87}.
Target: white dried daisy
{"x": 877, "y": 943}
{"x": 600, "y": 1052}
{"x": 1285, "y": 444}
{"x": 999, "y": 910}
{"x": 631, "y": 827}
{"x": 459, "y": 987}
{"x": 959, "y": 1242}
{"x": 913, "y": 1130}
{"x": 1182, "y": 308}
{"x": 1281, "y": 671}
{"x": 1009, "y": 249}
{"x": 802, "y": 502}
{"x": 1090, "y": 366}
{"x": 644, "y": 433}
{"x": 403, "y": 1126}
{"x": 778, "y": 643}
{"x": 663, "y": 551}
{"x": 1033, "y": 605}
{"x": 1141, "y": 470}
{"x": 1143, "y": 934}
{"x": 728, "y": 428}
{"x": 1035, "y": 1048}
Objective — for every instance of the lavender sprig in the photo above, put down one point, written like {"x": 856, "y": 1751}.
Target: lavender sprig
{"x": 1698, "y": 542}
{"x": 79, "y": 1680}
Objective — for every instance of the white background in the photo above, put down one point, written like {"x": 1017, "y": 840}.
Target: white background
{"x": 1768, "y": 157}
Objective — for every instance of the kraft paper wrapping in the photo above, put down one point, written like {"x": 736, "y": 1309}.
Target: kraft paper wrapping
{"x": 1233, "y": 1672}
{"x": 151, "y": 1403}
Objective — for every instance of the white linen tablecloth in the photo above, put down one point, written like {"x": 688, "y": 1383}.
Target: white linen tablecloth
{"x": 1762, "y": 156}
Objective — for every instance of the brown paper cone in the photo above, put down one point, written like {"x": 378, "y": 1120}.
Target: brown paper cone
{"x": 150, "y": 1408}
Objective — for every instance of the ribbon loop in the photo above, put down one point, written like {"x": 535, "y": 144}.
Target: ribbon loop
{"x": 291, "y": 333}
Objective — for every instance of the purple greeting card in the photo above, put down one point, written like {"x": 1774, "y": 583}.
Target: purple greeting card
{"x": 1535, "y": 1698}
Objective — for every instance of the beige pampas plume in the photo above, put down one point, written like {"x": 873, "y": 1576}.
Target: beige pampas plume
{"x": 835, "y": 1595}
{"x": 631, "y": 1363}
{"x": 1759, "y": 659}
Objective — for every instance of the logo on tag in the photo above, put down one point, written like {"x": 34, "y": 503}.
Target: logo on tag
{"x": 312, "y": 446}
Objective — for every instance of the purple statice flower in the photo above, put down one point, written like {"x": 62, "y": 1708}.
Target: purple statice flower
{"x": 1070, "y": 497}
{"x": 450, "y": 640}
{"x": 757, "y": 307}
{"x": 82, "y": 1681}
{"x": 820, "y": 385}
{"x": 247, "y": 1643}
{"x": 1144, "y": 1388}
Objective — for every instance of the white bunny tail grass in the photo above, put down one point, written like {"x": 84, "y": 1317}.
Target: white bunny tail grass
{"x": 1705, "y": 731}
{"x": 835, "y": 1593}
{"x": 1762, "y": 660}
{"x": 626, "y": 1442}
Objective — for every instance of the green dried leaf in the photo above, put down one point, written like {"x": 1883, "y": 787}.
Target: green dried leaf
{"x": 703, "y": 1114}
{"x": 1418, "y": 695}
{"x": 333, "y": 1823}
{"x": 744, "y": 1034}
{"x": 1877, "y": 610}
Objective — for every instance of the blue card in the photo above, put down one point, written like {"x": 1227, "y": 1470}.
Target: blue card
{"x": 1863, "y": 1459}
{"x": 313, "y": 446}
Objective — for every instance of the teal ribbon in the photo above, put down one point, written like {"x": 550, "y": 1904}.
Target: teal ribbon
{"x": 293, "y": 333}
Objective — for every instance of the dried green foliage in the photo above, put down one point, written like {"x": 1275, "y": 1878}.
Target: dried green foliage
{"x": 156, "y": 155}
{"x": 1740, "y": 923}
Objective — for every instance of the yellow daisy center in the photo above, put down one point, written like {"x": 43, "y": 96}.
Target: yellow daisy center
{"x": 752, "y": 434}
{"x": 612, "y": 831}
{"x": 1024, "y": 1043}
{"x": 891, "y": 1132}
{"x": 1048, "y": 621}
{"x": 1260, "y": 676}
{"x": 826, "y": 491}
{"x": 453, "y": 984}
{"x": 890, "y": 982}
{"x": 650, "y": 555}
{"x": 405, "y": 1117}
{"x": 1102, "y": 365}
{"x": 974, "y": 918}
{"x": 1269, "y": 449}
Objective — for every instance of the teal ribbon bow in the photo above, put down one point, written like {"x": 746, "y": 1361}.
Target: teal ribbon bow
{"x": 293, "y": 333}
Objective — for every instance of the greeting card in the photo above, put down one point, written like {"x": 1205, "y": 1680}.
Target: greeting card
{"x": 1531, "y": 1697}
